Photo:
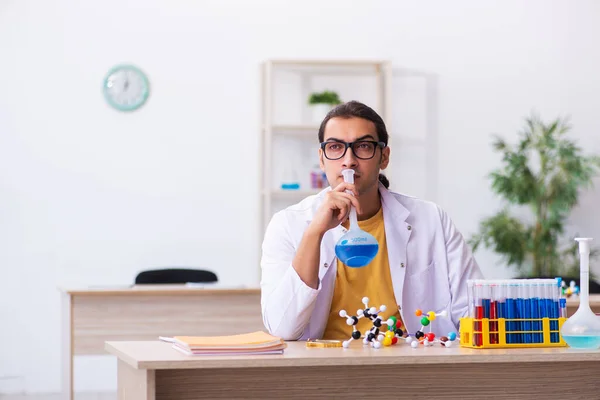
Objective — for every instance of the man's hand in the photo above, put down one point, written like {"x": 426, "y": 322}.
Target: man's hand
{"x": 335, "y": 209}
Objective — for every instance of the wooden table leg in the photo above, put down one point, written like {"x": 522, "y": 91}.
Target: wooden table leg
{"x": 135, "y": 384}
{"x": 67, "y": 347}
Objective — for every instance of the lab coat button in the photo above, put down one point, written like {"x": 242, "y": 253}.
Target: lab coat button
{"x": 402, "y": 265}
{"x": 409, "y": 227}
{"x": 325, "y": 265}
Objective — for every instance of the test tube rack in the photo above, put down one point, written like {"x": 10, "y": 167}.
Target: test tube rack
{"x": 486, "y": 333}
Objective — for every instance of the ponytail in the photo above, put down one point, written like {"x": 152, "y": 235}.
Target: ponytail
{"x": 384, "y": 181}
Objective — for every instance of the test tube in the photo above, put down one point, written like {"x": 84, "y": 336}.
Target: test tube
{"x": 563, "y": 307}
{"x": 556, "y": 294}
{"x": 471, "y": 298}
{"x": 478, "y": 315}
{"x": 535, "y": 310}
{"x": 526, "y": 294}
{"x": 502, "y": 298}
{"x": 485, "y": 303}
{"x": 518, "y": 311}
{"x": 510, "y": 312}
{"x": 493, "y": 314}
{"x": 546, "y": 301}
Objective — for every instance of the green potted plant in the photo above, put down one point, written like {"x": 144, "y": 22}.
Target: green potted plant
{"x": 322, "y": 102}
{"x": 544, "y": 173}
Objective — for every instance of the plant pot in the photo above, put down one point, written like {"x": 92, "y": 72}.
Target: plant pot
{"x": 319, "y": 111}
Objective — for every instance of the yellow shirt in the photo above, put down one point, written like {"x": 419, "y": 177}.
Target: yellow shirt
{"x": 352, "y": 284}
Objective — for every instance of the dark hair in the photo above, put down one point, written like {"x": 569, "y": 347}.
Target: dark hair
{"x": 355, "y": 109}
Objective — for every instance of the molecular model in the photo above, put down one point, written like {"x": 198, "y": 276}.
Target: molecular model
{"x": 570, "y": 290}
{"x": 374, "y": 336}
{"x": 429, "y": 339}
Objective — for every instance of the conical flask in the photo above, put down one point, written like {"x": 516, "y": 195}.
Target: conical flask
{"x": 582, "y": 329}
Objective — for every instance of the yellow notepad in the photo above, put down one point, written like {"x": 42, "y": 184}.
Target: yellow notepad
{"x": 253, "y": 340}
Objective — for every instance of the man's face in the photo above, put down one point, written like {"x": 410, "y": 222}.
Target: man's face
{"x": 366, "y": 171}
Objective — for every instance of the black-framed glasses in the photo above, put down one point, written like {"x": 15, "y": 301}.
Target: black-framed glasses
{"x": 362, "y": 149}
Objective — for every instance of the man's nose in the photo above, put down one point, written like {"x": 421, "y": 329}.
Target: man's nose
{"x": 349, "y": 160}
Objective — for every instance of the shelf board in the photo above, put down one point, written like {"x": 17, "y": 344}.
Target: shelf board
{"x": 330, "y": 67}
{"x": 338, "y": 62}
{"x": 301, "y": 131}
{"x": 293, "y": 194}
{"x": 301, "y": 128}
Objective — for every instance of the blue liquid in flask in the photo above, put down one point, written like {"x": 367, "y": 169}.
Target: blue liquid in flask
{"x": 356, "y": 248}
{"x": 356, "y": 255}
{"x": 582, "y": 342}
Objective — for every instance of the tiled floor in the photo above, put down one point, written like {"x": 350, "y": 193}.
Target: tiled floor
{"x": 57, "y": 396}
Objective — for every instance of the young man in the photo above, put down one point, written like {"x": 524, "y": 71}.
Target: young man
{"x": 423, "y": 262}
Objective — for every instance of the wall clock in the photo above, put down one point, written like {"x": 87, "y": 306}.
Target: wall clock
{"x": 126, "y": 87}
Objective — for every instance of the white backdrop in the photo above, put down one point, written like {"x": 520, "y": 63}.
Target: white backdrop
{"x": 90, "y": 196}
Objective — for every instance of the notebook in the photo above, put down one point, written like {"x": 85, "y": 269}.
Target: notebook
{"x": 243, "y": 344}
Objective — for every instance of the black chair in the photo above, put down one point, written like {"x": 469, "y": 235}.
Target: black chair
{"x": 175, "y": 276}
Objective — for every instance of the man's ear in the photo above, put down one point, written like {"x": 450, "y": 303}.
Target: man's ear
{"x": 321, "y": 163}
{"x": 385, "y": 157}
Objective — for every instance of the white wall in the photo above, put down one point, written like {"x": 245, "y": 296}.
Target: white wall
{"x": 91, "y": 196}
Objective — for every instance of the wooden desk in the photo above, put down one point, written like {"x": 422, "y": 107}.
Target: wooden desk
{"x": 93, "y": 316}
{"x": 155, "y": 371}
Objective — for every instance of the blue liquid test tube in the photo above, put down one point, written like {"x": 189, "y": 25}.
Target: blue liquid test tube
{"x": 535, "y": 311}
{"x": 547, "y": 302}
{"x": 502, "y": 300}
{"x": 526, "y": 314}
{"x": 563, "y": 307}
{"x": 549, "y": 285}
{"x": 510, "y": 312}
{"x": 520, "y": 316}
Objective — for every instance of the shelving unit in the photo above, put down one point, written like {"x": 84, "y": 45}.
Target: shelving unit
{"x": 289, "y": 134}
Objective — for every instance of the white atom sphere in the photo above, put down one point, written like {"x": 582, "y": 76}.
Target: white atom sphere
{"x": 448, "y": 343}
{"x": 383, "y": 307}
{"x": 377, "y": 345}
{"x": 343, "y": 313}
{"x": 349, "y": 321}
{"x": 346, "y": 343}
{"x": 414, "y": 344}
{"x": 365, "y": 300}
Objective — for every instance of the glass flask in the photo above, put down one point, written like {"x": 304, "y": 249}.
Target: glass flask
{"x": 582, "y": 329}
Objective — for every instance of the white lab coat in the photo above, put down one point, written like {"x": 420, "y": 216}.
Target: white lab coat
{"x": 429, "y": 263}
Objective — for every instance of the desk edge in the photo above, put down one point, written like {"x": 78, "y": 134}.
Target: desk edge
{"x": 108, "y": 347}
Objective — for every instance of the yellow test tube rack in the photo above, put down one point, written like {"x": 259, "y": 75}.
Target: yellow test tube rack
{"x": 483, "y": 334}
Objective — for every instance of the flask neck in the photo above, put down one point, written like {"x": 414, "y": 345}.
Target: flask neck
{"x": 584, "y": 287}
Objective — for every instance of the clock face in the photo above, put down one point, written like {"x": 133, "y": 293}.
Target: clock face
{"x": 126, "y": 88}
